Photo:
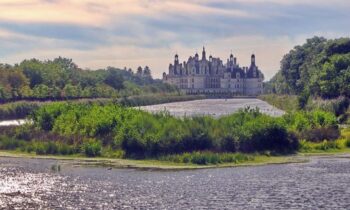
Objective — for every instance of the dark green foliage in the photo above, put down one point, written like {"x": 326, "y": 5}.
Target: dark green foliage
{"x": 7, "y": 143}
{"x": 314, "y": 126}
{"x": 320, "y": 67}
{"x": 62, "y": 79}
{"x": 69, "y": 128}
{"x": 141, "y": 134}
{"x": 347, "y": 143}
{"x": 303, "y": 99}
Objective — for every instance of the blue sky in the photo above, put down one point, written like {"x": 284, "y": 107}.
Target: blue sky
{"x": 131, "y": 33}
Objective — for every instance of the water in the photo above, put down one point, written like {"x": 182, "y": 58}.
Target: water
{"x": 213, "y": 107}
{"x": 13, "y": 122}
{"x": 323, "y": 183}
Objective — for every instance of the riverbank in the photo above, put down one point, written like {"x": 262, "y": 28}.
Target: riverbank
{"x": 150, "y": 164}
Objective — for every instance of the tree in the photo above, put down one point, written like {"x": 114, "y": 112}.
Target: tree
{"x": 71, "y": 91}
{"x": 41, "y": 92}
{"x": 319, "y": 67}
{"x": 147, "y": 72}
{"x": 139, "y": 71}
{"x": 114, "y": 79}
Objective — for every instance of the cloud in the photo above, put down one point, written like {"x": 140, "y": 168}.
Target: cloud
{"x": 99, "y": 13}
{"x": 333, "y": 3}
{"x": 130, "y": 33}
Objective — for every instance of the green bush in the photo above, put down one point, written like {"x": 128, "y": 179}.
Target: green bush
{"x": 326, "y": 145}
{"x": 347, "y": 142}
{"x": 17, "y": 110}
{"x": 141, "y": 134}
{"x": 40, "y": 148}
{"x": 207, "y": 158}
{"x": 65, "y": 149}
{"x": 7, "y": 143}
{"x": 92, "y": 148}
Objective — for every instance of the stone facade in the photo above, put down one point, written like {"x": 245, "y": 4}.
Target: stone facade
{"x": 212, "y": 76}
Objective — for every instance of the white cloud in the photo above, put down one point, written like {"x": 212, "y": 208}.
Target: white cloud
{"x": 102, "y": 12}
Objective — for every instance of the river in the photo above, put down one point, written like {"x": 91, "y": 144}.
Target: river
{"x": 213, "y": 107}
{"x": 322, "y": 183}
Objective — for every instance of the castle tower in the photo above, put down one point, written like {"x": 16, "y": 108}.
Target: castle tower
{"x": 176, "y": 62}
{"x": 204, "y": 57}
{"x": 253, "y": 60}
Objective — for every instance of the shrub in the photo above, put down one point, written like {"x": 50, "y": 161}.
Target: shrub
{"x": 91, "y": 148}
{"x": 305, "y": 146}
{"x": 40, "y": 148}
{"x": 206, "y": 158}
{"x": 320, "y": 134}
{"x": 347, "y": 142}
{"x": 7, "y": 143}
{"x": 65, "y": 149}
{"x": 17, "y": 110}
{"x": 326, "y": 145}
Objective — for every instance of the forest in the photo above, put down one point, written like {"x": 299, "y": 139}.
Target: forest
{"x": 318, "y": 68}
{"x": 61, "y": 79}
{"x": 315, "y": 75}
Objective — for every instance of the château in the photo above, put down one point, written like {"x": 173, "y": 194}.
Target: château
{"x": 212, "y": 76}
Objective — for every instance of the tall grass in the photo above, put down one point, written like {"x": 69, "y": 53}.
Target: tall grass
{"x": 283, "y": 102}
{"x": 206, "y": 158}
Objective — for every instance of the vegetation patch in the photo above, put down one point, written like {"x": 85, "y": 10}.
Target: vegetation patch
{"x": 208, "y": 158}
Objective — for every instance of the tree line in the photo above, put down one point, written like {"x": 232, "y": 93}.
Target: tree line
{"x": 61, "y": 79}
{"x": 319, "y": 68}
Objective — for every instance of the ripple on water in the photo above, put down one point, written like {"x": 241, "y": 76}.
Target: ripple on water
{"x": 322, "y": 183}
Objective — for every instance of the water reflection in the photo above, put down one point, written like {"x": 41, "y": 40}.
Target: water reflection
{"x": 13, "y": 122}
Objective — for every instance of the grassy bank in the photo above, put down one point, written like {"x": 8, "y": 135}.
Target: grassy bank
{"x": 283, "y": 102}
{"x": 153, "y": 164}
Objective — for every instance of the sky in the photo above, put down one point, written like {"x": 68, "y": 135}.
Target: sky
{"x": 132, "y": 33}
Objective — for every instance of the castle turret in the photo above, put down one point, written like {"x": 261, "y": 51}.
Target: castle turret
{"x": 176, "y": 61}
{"x": 204, "y": 57}
{"x": 253, "y": 60}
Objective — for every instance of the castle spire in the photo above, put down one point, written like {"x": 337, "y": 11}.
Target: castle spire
{"x": 253, "y": 59}
{"x": 204, "y": 57}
